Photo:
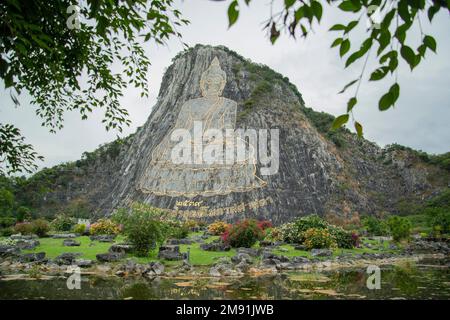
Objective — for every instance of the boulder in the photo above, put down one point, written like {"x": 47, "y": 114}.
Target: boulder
{"x": 179, "y": 241}
{"x": 64, "y": 236}
{"x": 215, "y": 246}
{"x": 23, "y": 237}
{"x": 8, "y": 251}
{"x": 300, "y": 247}
{"x": 121, "y": 248}
{"x": 103, "y": 237}
{"x": 265, "y": 243}
{"x": 321, "y": 252}
{"x": 253, "y": 252}
{"x": 84, "y": 263}
{"x": 270, "y": 255}
{"x": 67, "y": 258}
{"x": 157, "y": 268}
{"x": 32, "y": 257}
{"x": 27, "y": 244}
{"x": 300, "y": 260}
{"x": 241, "y": 256}
{"x": 71, "y": 243}
{"x": 109, "y": 256}
{"x": 213, "y": 272}
{"x": 171, "y": 252}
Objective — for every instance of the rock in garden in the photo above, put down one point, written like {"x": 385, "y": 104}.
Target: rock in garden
{"x": 71, "y": 243}
{"x": 321, "y": 252}
{"x": 27, "y": 244}
{"x": 121, "y": 248}
{"x": 241, "y": 256}
{"x": 67, "y": 258}
{"x": 8, "y": 251}
{"x": 23, "y": 237}
{"x": 300, "y": 260}
{"x": 300, "y": 247}
{"x": 82, "y": 263}
{"x": 215, "y": 246}
{"x": 157, "y": 267}
{"x": 32, "y": 257}
{"x": 109, "y": 257}
{"x": 265, "y": 243}
{"x": 213, "y": 272}
{"x": 64, "y": 235}
{"x": 253, "y": 252}
{"x": 103, "y": 238}
{"x": 170, "y": 252}
{"x": 179, "y": 241}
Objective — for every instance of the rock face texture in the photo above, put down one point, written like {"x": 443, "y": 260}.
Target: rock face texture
{"x": 315, "y": 175}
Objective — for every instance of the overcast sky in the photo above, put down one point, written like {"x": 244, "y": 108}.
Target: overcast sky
{"x": 420, "y": 119}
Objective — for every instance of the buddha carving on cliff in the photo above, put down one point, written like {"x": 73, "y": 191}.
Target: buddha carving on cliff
{"x": 211, "y": 111}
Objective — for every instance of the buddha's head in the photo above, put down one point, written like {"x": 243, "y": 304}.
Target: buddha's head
{"x": 213, "y": 80}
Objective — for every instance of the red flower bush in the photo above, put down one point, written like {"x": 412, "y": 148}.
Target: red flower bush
{"x": 243, "y": 233}
{"x": 264, "y": 224}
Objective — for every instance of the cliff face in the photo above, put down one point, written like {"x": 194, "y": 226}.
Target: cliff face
{"x": 337, "y": 175}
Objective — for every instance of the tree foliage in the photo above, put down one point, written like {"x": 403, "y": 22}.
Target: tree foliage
{"x": 385, "y": 38}
{"x": 62, "y": 53}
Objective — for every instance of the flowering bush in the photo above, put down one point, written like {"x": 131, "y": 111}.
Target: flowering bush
{"x": 40, "y": 227}
{"x": 243, "y": 234}
{"x": 80, "y": 229}
{"x": 191, "y": 224}
{"x": 344, "y": 239}
{"x": 104, "y": 226}
{"x": 218, "y": 228}
{"x": 62, "y": 223}
{"x": 23, "y": 228}
{"x": 264, "y": 224}
{"x": 319, "y": 239}
{"x": 273, "y": 234}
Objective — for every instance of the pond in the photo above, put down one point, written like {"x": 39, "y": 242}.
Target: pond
{"x": 424, "y": 280}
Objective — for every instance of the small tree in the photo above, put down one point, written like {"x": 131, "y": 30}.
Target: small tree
{"x": 143, "y": 227}
{"x": 399, "y": 227}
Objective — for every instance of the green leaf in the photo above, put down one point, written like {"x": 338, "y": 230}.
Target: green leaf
{"x": 317, "y": 9}
{"x": 350, "y": 26}
{"x": 345, "y": 46}
{"x": 351, "y": 103}
{"x": 289, "y": 3}
{"x": 349, "y": 6}
{"x": 379, "y": 73}
{"x": 403, "y": 10}
{"x": 385, "y": 102}
{"x": 233, "y": 13}
{"x": 336, "y": 42}
{"x": 432, "y": 11}
{"x": 430, "y": 42}
{"x": 339, "y": 121}
{"x": 359, "y": 129}
{"x": 348, "y": 85}
{"x": 337, "y": 27}
{"x": 409, "y": 56}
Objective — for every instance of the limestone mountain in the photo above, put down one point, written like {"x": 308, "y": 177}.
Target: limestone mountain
{"x": 333, "y": 174}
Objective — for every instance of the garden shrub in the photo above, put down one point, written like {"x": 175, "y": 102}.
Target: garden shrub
{"x": 176, "y": 230}
{"x": 143, "y": 227}
{"x": 344, "y": 239}
{"x": 218, "y": 228}
{"x": 273, "y": 235}
{"x": 244, "y": 233}
{"x": 104, "y": 226}
{"x": 316, "y": 238}
{"x": 191, "y": 224}
{"x": 23, "y": 228}
{"x": 23, "y": 214}
{"x": 79, "y": 229}
{"x": 264, "y": 224}
{"x": 62, "y": 222}
{"x": 289, "y": 233}
{"x": 399, "y": 227}
{"x": 6, "y": 222}
{"x": 294, "y": 232}
{"x": 374, "y": 226}
{"x": 439, "y": 220}
{"x": 6, "y": 232}
{"x": 40, "y": 227}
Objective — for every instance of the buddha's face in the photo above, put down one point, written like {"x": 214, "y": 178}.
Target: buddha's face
{"x": 212, "y": 85}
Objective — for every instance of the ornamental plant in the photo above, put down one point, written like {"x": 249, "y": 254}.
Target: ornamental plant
{"x": 40, "y": 227}
{"x": 244, "y": 233}
{"x": 264, "y": 224}
{"x": 79, "y": 229}
{"x": 218, "y": 228}
{"x": 104, "y": 226}
{"x": 399, "y": 227}
{"x": 23, "y": 228}
{"x": 62, "y": 222}
{"x": 319, "y": 239}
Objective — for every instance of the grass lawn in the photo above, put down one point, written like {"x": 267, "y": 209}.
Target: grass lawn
{"x": 89, "y": 249}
